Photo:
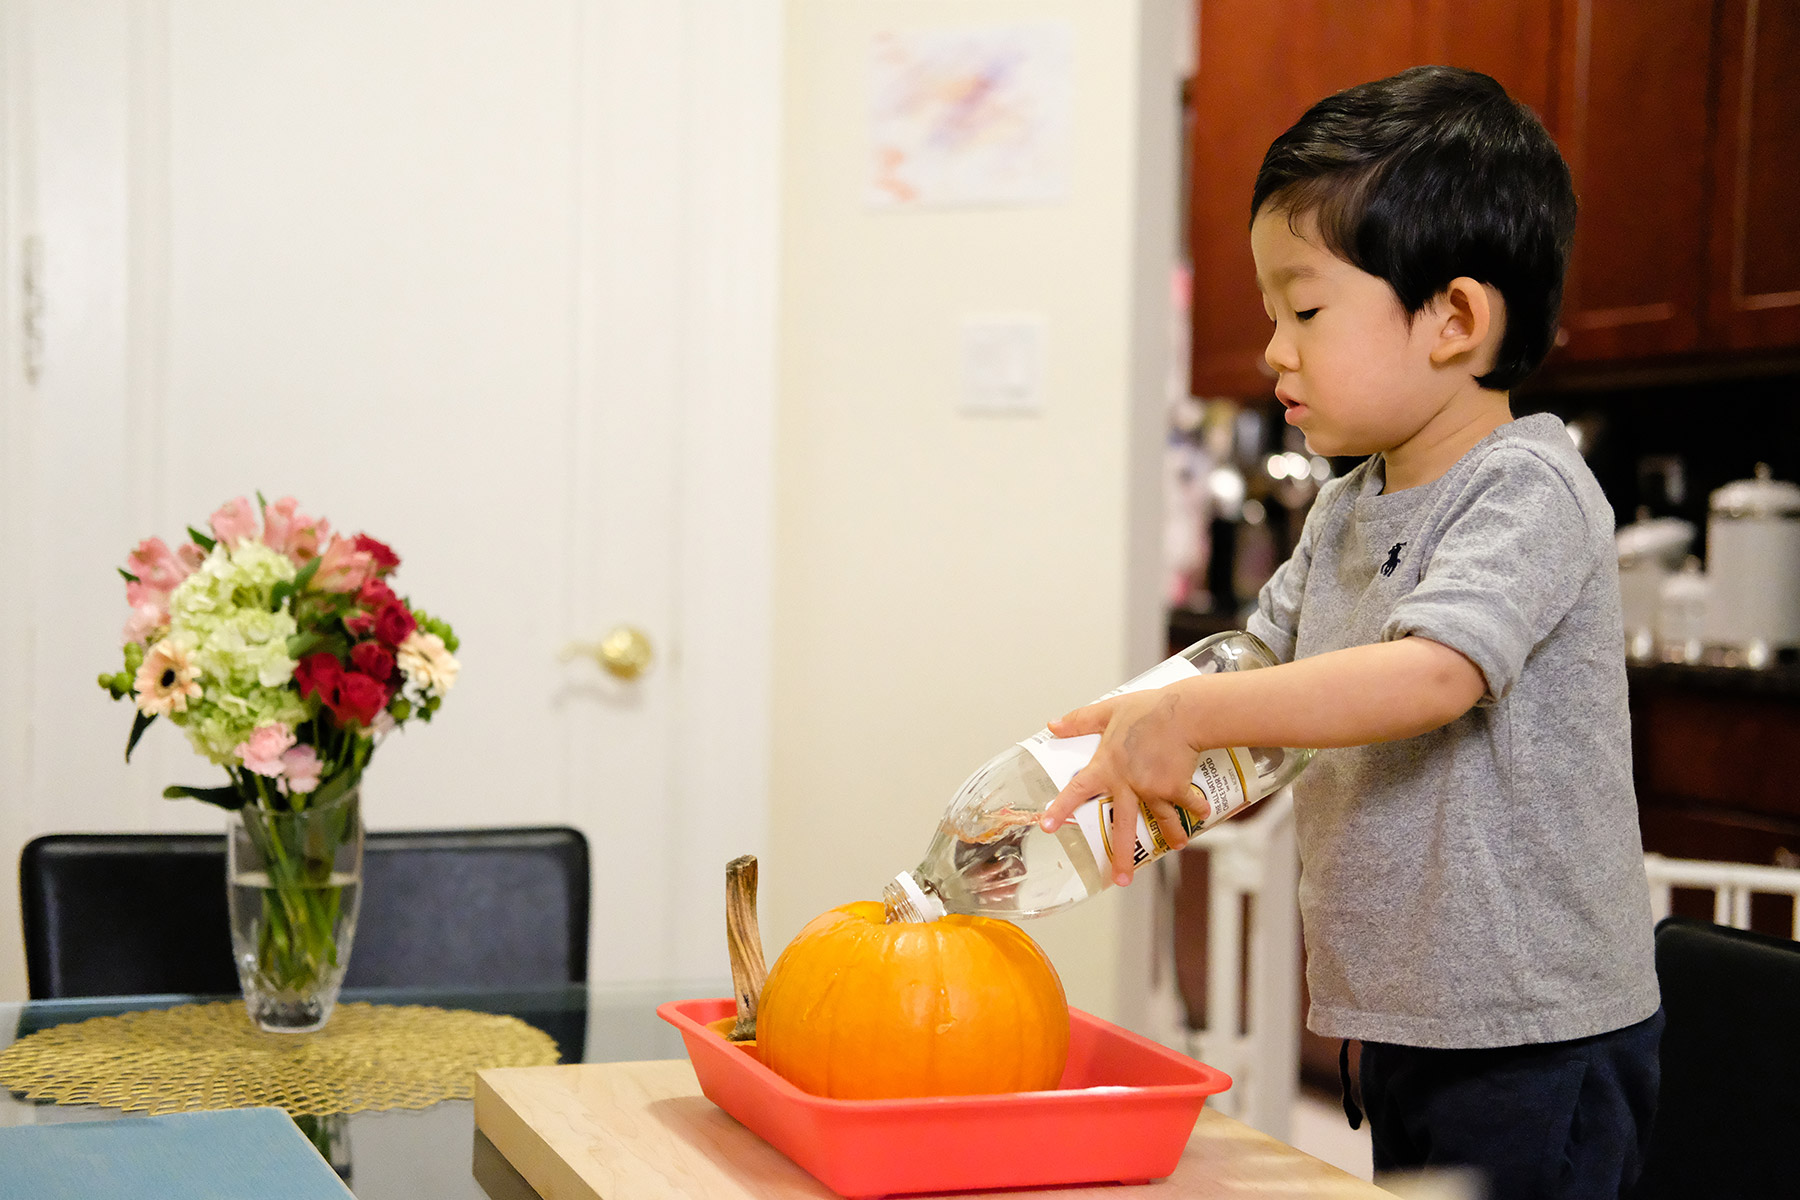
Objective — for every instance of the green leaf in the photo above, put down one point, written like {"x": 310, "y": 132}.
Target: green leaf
{"x": 129, "y": 577}
{"x": 311, "y": 641}
{"x": 332, "y": 788}
{"x": 262, "y": 505}
{"x": 304, "y": 577}
{"x": 228, "y": 798}
{"x": 201, "y": 540}
{"x": 140, "y": 723}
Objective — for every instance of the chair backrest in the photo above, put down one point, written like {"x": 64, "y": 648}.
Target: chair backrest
{"x": 122, "y": 914}
{"x": 114, "y": 914}
{"x": 1730, "y": 1104}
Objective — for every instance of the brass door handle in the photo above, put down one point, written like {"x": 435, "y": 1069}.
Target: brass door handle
{"x": 623, "y": 653}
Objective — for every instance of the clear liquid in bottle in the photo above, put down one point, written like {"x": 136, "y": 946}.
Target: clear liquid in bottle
{"x": 989, "y": 856}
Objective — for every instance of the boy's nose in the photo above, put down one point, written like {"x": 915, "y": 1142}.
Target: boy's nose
{"x": 1279, "y": 353}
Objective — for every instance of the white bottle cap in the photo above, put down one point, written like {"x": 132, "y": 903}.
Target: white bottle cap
{"x": 929, "y": 907}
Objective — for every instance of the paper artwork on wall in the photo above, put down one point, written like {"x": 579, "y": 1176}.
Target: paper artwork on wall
{"x": 969, "y": 116}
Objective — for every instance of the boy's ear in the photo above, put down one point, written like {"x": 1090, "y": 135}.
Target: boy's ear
{"x": 1469, "y": 317}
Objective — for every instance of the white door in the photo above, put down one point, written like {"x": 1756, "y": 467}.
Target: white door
{"x": 490, "y": 280}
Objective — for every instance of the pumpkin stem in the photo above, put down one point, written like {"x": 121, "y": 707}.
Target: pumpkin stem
{"x": 744, "y": 939}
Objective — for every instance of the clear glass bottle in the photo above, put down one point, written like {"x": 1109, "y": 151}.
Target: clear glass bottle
{"x": 989, "y": 855}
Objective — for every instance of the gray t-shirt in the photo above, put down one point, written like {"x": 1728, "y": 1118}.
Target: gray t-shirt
{"x": 1482, "y": 884}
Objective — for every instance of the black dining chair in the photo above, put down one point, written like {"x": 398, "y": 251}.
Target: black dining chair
{"x": 1730, "y": 1103}
{"x": 130, "y": 914}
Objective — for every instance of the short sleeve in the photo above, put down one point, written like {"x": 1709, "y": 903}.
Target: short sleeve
{"x": 1515, "y": 552}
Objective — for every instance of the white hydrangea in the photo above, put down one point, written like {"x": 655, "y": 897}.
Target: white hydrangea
{"x": 240, "y": 646}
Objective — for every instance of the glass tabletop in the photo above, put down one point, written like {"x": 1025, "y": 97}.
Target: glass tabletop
{"x": 435, "y": 1152}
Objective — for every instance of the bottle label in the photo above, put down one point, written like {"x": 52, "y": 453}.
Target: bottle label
{"x": 1222, "y": 777}
{"x": 1062, "y": 757}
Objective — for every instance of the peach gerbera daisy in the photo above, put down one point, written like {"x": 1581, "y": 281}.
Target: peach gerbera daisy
{"x": 168, "y": 679}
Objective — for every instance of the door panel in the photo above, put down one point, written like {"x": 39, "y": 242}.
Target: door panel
{"x": 429, "y": 267}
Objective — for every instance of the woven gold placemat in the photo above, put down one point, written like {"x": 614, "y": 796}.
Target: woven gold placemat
{"x": 202, "y": 1056}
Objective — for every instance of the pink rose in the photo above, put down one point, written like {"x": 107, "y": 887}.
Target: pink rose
{"x": 343, "y": 568}
{"x": 288, "y": 531}
{"x": 234, "y": 522}
{"x": 263, "y": 750}
{"x": 145, "y": 620}
{"x": 159, "y": 571}
{"x": 301, "y": 768}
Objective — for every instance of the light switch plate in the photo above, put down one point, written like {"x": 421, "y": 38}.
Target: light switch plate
{"x": 1003, "y": 364}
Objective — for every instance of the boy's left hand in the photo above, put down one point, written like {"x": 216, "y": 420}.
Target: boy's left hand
{"x": 1144, "y": 757}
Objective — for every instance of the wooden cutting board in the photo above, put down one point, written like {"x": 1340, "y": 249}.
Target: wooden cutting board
{"x": 625, "y": 1131}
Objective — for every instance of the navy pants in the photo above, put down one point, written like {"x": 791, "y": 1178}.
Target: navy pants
{"x": 1562, "y": 1119}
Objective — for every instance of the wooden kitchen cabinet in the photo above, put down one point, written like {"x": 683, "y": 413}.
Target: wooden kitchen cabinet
{"x": 1635, "y": 133}
{"x": 1753, "y": 301}
{"x": 1680, "y": 120}
{"x": 1264, "y": 62}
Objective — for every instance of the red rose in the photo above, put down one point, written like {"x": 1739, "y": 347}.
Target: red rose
{"x": 375, "y": 595}
{"x": 359, "y": 624}
{"x": 394, "y": 624}
{"x": 373, "y": 659}
{"x": 359, "y": 698}
{"x": 385, "y": 559}
{"x": 318, "y": 674}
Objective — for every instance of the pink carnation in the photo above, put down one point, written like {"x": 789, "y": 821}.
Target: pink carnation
{"x": 234, "y": 522}
{"x": 263, "y": 751}
{"x": 145, "y": 620}
{"x": 288, "y": 531}
{"x": 343, "y": 567}
{"x": 301, "y": 768}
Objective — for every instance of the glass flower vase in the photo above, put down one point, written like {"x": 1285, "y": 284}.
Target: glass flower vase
{"x": 294, "y": 880}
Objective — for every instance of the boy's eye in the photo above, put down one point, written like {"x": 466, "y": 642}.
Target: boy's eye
{"x": 1305, "y": 314}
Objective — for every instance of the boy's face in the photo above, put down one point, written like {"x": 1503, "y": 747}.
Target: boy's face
{"x": 1353, "y": 374}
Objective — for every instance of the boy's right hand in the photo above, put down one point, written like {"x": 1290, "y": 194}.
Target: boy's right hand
{"x": 1145, "y": 757}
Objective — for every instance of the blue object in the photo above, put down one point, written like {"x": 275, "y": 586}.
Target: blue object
{"x": 230, "y": 1154}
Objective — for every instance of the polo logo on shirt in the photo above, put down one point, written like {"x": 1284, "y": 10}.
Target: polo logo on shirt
{"x": 1393, "y": 559}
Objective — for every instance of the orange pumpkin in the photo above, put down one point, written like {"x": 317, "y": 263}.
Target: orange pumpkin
{"x": 856, "y": 1008}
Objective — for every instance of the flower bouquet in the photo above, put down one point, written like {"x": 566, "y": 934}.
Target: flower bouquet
{"x": 282, "y": 652}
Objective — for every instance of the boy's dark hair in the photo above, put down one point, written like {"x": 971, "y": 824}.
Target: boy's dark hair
{"x": 1427, "y": 175}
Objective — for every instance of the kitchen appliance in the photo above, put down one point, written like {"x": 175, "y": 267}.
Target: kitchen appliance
{"x": 1649, "y": 550}
{"x": 1753, "y": 567}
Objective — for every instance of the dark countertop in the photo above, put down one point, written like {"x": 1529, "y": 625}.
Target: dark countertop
{"x": 1781, "y": 681}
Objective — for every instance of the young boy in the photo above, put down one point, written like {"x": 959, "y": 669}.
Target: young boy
{"x": 1472, "y": 888}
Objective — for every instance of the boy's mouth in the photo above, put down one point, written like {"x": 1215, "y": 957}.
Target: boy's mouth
{"x": 1294, "y": 407}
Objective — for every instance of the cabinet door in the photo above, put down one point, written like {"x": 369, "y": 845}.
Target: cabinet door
{"x": 1634, "y": 92}
{"x": 1264, "y": 62}
{"x": 1754, "y": 296}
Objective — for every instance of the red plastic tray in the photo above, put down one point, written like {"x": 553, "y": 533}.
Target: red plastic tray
{"x": 1122, "y": 1113}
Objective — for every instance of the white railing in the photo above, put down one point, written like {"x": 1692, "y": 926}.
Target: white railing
{"x": 1732, "y": 885}
{"x": 1258, "y": 859}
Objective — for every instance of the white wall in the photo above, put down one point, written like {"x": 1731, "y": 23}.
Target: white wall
{"x": 942, "y": 584}
{"x": 946, "y": 583}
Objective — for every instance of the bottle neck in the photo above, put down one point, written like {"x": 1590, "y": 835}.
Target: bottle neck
{"x": 907, "y": 899}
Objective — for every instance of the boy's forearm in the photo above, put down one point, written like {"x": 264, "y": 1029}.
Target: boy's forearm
{"x": 1352, "y": 697}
